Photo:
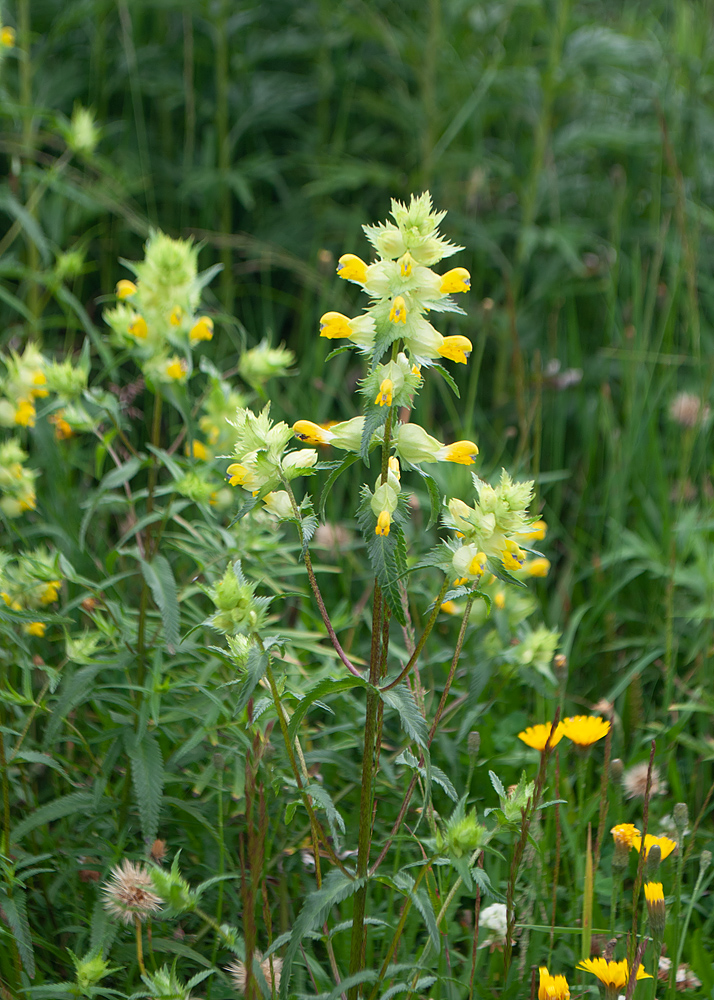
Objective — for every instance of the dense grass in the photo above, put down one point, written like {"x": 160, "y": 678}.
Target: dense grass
{"x": 571, "y": 144}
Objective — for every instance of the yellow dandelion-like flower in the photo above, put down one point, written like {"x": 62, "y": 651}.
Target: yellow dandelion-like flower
{"x": 665, "y": 845}
{"x": 657, "y": 912}
{"x": 129, "y": 894}
{"x": 611, "y": 974}
{"x": 584, "y": 730}
{"x": 654, "y": 892}
{"x": 625, "y": 834}
{"x": 552, "y": 987}
{"x": 537, "y": 736}
{"x": 125, "y": 289}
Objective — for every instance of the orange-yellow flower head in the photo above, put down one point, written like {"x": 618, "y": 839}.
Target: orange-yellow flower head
{"x": 656, "y": 910}
{"x": 456, "y": 348}
{"x": 665, "y": 845}
{"x": 552, "y": 987}
{"x": 625, "y": 834}
{"x": 537, "y": 736}
{"x": 352, "y": 268}
{"x": 584, "y": 730}
{"x": 613, "y": 975}
{"x": 654, "y": 892}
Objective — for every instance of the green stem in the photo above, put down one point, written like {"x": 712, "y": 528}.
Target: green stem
{"x": 425, "y": 635}
{"x": 139, "y": 947}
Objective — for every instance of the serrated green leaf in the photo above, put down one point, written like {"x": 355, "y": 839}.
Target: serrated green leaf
{"x": 497, "y": 785}
{"x": 413, "y": 722}
{"x": 255, "y": 669}
{"x": 15, "y": 908}
{"x": 336, "y": 887}
{"x": 420, "y": 899}
{"x": 447, "y": 377}
{"x": 147, "y": 772}
{"x": 67, "y": 805}
{"x": 387, "y": 553}
{"x": 421, "y": 986}
{"x": 374, "y": 417}
{"x": 160, "y": 578}
{"x": 322, "y": 798}
{"x": 434, "y": 495}
{"x": 321, "y": 690}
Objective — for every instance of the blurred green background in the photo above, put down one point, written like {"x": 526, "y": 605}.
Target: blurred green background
{"x": 572, "y": 146}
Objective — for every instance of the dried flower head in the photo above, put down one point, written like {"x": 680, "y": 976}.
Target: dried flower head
{"x": 238, "y": 973}
{"x": 129, "y": 893}
{"x": 157, "y": 851}
{"x": 634, "y": 781}
{"x": 688, "y": 410}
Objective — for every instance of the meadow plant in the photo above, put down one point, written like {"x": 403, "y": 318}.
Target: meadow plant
{"x": 177, "y": 660}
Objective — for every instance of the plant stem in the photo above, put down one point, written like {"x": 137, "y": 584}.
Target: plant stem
{"x": 139, "y": 948}
{"x": 424, "y": 636}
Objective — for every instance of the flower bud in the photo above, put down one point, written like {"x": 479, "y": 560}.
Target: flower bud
{"x": 278, "y": 503}
{"x": 652, "y": 860}
{"x": 681, "y": 818}
{"x": 654, "y": 897}
{"x": 705, "y": 859}
{"x": 125, "y": 289}
{"x": 617, "y": 769}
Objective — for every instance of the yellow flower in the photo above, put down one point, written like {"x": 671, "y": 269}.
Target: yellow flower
{"x": 63, "y": 430}
{"x": 383, "y": 522}
{"x": 394, "y": 466}
{"x": 39, "y": 380}
{"x": 499, "y": 600}
{"x": 450, "y": 607}
{"x": 457, "y": 279}
{"x": 35, "y": 628}
{"x": 51, "y": 592}
{"x": 654, "y": 897}
{"x": 456, "y": 349}
{"x": 461, "y": 452}
{"x": 351, "y": 268}
{"x": 584, "y": 730}
{"x": 202, "y": 329}
{"x": 478, "y": 564}
{"x": 398, "y": 312}
{"x": 654, "y": 892}
{"x": 7, "y": 38}
{"x": 512, "y": 556}
{"x": 334, "y": 325}
{"x": 25, "y": 413}
{"x": 535, "y": 533}
{"x": 176, "y": 316}
{"x": 125, "y": 289}
{"x": 536, "y": 567}
{"x": 384, "y": 396}
{"x": 405, "y": 265}
{"x": 176, "y": 368}
{"x": 15, "y": 605}
{"x": 612, "y": 974}
{"x": 625, "y": 834}
{"x": 537, "y": 736}
{"x": 199, "y": 450}
{"x": 238, "y": 474}
{"x": 311, "y": 433}
{"x": 552, "y": 987}
{"x": 665, "y": 845}
{"x": 139, "y": 328}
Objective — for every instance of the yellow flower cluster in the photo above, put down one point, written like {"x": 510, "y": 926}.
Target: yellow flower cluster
{"x": 582, "y": 730}
{"x": 30, "y": 582}
{"x": 17, "y": 483}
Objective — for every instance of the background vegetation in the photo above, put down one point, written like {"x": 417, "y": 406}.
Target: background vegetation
{"x": 572, "y": 146}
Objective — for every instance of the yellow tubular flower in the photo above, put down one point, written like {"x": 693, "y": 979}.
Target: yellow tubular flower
{"x": 611, "y": 974}
{"x": 25, "y": 413}
{"x": 238, "y": 474}
{"x": 457, "y": 279}
{"x": 552, "y": 987}
{"x": 405, "y": 265}
{"x": 460, "y": 452}
{"x": 202, "y": 329}
{"x": 35, "y": 628}
{"x": 352, "y": 268}
{"x": 39, "y": 380}
{"x": 311, "y": 433}
{"x": 535, "y": 533}
{"x": 537, "y": 736}
{"x": 334, "y": 325}
{"x": 176, "y": 316}
{"x": 450, "y": 607}
{"x": 125, "y": 289}
{"x": 584, "y": 730}
{"x": 394, "y": 466}
{"x": 499, "y": 600}
{"x": 7, "y": 38}
{"x": 384, "y": 396}
{"x": 139, "y": 329}
{"x": 176, "y": 369}
{"x": 383, "y": 522}
{"x": 536, "y": 567}
{"x": 456, "y": 349}
{"x": 512, "y": 556}
{"x": 51, "y": 592}
{"x": 665, "y": 845}
{"x": 398, "y": 312}
{"x": 478, "y": 565}
{"x": 199, "y": 450}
